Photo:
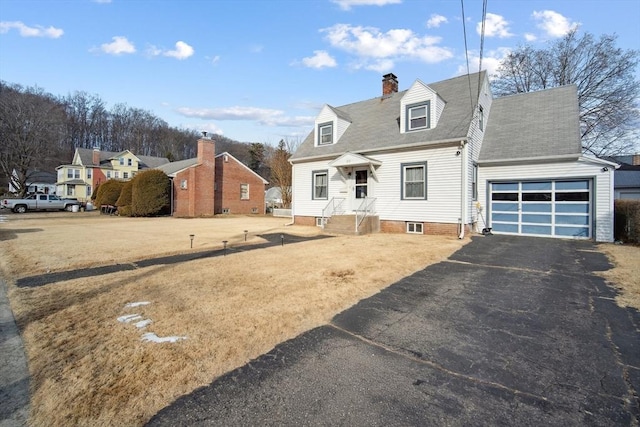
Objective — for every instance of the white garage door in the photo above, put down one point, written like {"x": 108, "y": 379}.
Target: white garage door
{"x": 558, "y": 208}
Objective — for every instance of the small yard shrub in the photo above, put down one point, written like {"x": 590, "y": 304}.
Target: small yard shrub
{"x": 109, "y": 192}
{"x": 124, "y": 201}
{"x": 627, "y": 221}
{"x": 150, "y": 193}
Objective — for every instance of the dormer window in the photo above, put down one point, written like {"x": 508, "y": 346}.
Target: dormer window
{"x": 325, "y": 133}
{"x": 418, "y": 116}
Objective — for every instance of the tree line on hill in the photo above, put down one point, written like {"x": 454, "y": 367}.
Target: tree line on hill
{"x": 40, "y": 131}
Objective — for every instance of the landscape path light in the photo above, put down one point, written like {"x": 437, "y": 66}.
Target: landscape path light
{"x": 224, "y": 243}
{"x": 191, "y": 236}
{"x": 282, "y": 239}
{"x": 245, "y": 235}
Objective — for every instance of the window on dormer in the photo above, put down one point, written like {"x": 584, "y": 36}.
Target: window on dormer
{"x": 418, "y": 116}
{"x": 325, "y": 133}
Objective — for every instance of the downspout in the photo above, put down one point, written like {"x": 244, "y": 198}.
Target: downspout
{"x": 463, "y": 187}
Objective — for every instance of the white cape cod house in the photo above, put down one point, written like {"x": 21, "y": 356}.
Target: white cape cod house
{"x": 447, "y": 158}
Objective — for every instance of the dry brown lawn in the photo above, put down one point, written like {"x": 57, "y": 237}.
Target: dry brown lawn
{"x": 626, "y": 273}
{"x": 88, "y": 368}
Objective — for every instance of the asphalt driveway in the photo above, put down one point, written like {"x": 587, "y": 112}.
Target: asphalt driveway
{"x": 508, "y": 331}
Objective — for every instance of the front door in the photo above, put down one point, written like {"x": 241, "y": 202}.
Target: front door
{"x": 361, "y": 184}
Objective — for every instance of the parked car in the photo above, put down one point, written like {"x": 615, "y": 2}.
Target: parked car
{"x": 39, "y": 202}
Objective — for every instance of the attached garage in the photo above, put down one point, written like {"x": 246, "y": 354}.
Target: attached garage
{"x": 532, "y": 177}
{"x": 550, "y": 208}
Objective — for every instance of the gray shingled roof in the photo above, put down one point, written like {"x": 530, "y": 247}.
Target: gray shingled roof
{"x": 626, "y": 178}
{"x": 375, "y": 123}
{"x": 534, "y": 124}
{"x": 174, "y": 167}
{"x": 86, "y": 156}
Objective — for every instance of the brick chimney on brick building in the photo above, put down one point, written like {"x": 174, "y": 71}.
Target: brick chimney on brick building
{"x": 95, "y": 160}
{"x": 389, "y": 84}
{"x": 206, "y": 150}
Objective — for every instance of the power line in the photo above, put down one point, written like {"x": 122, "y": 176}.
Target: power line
{"x": 466, "y": 52}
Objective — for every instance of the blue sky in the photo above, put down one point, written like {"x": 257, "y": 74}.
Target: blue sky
{"x": 259, "y": 71}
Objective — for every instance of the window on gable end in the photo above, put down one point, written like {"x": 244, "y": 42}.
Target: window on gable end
{"x": 325, "y": 133}
{"x": 244, "y": 191}
{"x": 480, "y": 117}
{"x": 121, "y": 161}
{"x": 418, "y": 116}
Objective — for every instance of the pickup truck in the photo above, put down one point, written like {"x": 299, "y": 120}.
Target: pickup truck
{"x": 38, "y": 202}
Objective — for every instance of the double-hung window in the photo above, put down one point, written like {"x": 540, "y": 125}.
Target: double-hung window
{"x": 320, "y": 185}
{"x": 325, "y": 133}
{"x": 414, "y": 181}
{"x": 244, "y": 191}
{"x": 418, "y": 116}
{"x": 121, "y": 161}
{"x": 480, "y": 117}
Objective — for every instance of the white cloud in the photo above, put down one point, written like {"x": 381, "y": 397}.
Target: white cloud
{"x": 264, "y": 116}
{"x": 26, "y": 31}
{"x": 553, "y": 23}
{"x": 490, "y": 61}
{"x": 182, "y": 51}
{"x": 214, "y": 60}
{"x": 347, "y": 4}
{"x": 530, "y": 37}
{"x": 494, "y": 26}
{"x": 436, "y": 20}
{"x": 118, "y": 46}
{"x": 320, "y": 59}
{"x": 377, "y": 50}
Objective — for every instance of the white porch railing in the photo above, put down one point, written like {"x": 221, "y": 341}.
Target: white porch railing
{"x": 366, "y": 208}
{"x": 335, "y": 206}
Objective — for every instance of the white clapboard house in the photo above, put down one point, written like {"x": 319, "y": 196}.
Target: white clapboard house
{"x": 448, "y": 158}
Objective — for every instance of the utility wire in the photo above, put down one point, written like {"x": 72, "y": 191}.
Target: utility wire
{"x": 484, "y": 19}
{"x": 466, "y": 52}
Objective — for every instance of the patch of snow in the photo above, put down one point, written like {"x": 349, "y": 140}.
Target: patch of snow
{"x": 136, "y": 304}
{"x": 129, "y": 318}
{"x": 143, "y": 323}
{"x": 150, "y": 336}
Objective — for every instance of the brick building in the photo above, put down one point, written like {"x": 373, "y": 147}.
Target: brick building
{"x": 210, "y": 184}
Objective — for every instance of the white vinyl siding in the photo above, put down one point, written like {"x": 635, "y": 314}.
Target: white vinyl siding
{"x": 601, "y": 192}
{"x": 420, "y": 93}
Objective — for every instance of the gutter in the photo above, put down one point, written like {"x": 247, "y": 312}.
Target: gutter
{"x": 543, "y": 159}
{"x": 380, "y": 150}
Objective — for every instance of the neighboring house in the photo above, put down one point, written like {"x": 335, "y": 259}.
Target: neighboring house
{"x": 627, "y": 177}
{"x": 273, "y": 197}
{"x": 91, "y": 167}
{"x": 447, "y": 158}
{"x": 211, "y": 184}
{"x": 37, "y": 182}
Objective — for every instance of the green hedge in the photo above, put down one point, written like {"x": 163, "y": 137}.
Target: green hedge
{"x": 124, "y": 201}
{"x": 108, "y": 192}
{"x": 627, "y": 221}
{"x": 150, "y": 193}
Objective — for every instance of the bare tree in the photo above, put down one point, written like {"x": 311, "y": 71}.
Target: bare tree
{"x": 281, "y": 170}
{"x": 608, "y": 92}
{"x": 31, "y": 129}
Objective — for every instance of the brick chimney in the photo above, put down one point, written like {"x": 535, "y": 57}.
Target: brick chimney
{"x": 206, "y": 151}
{"x": 389, "y": 84}
{"x": 95, "y": 160}
{"x": 635, "y": 160}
